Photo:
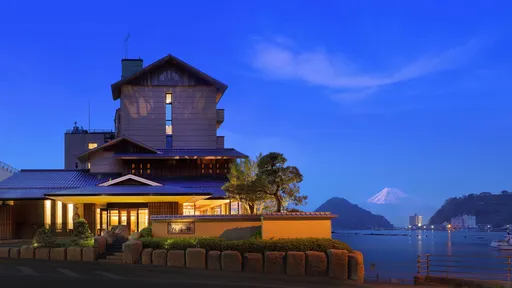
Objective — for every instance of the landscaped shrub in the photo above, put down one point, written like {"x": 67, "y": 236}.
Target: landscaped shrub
{"x": 43, "y": 238}
{"x": 146, "y": 232}
{"x": 245, "y": 246}
{"x": 82, "y": 236}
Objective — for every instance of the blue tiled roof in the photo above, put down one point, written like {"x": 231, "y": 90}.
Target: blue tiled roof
{"x": 188, "y": 153}
{"x": 53, "y": 179}
{"x": 129, "y": 190}
{"x": 20, "y": 194}
{"x": 211, "y": 185}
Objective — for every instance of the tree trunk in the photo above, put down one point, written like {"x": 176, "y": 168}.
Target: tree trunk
{"x": 279, "y": 203}
{"x": 251, "y": 208}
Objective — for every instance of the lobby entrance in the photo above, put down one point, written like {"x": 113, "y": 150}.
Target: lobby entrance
{"x": 132, "y": 215}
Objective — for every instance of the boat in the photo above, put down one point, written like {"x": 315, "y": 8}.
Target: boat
{"x": 505, "y": 244}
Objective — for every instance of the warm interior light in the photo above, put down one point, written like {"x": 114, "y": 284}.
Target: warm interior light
{"x": 58, "y": 216}
{"x": 92, "y": 145}
{"x": 70, "y": 216}
{"x": 47, "y": 213}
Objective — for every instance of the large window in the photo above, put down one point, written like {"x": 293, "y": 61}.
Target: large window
{"x": 58, "y": 216}
{"x": 92, "y": 145}
{"x": 188, "y": 209}
{"x": 71, "y": 212}
{"x": 143, "y": 218}
{"x": 168, "y": 113}
{"x": 235, "y": 208}
{"x": 47, "y": 213}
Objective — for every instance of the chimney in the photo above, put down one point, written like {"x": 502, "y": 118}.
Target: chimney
{"x": 130, "y": 67}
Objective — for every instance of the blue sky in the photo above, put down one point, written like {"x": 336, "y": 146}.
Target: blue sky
{"x": 360, "y": 95}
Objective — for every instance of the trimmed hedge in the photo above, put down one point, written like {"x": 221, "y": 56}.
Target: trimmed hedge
{"x": 246, "y": 246}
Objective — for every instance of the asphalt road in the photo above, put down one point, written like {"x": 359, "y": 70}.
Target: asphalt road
{"x": 27, "y": 273}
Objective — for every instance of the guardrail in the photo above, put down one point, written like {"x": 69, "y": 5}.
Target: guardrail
{"x": 476, "y": 267}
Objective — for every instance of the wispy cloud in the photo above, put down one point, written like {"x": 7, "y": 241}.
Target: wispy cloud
{"x": 279, "y": 59}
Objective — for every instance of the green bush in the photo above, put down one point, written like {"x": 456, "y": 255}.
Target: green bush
{"x": 257, "y": 235}
{"x": 146, "y": 232}
{"x": 44, "y": 238}
{"x": 245, "y": 246}
{"x": 82, "y": 236}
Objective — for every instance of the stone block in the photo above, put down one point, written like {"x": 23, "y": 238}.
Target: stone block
{"x": 196, "y": 258}
{"x": 42, "y": 253}
{"x": 4, "y": 252}
{"x": 89, "y": 254}
{"x": 159, "y": 257}
{"x": 27, "y": 252}
{"x": 74, "y": 254}
{"x": 14, "y": 253}
{"x": 356, "y": 266}
{"x": 231, "y": 261}
{"x": 176, "y": 258}
{"x": 213, "y": 260}
{"x": 122, "y": 232}
{"x": 295, "y": 263}
{"x": 100, "y": 242}
{"x": 316, "y": 264}
{"x": 253, "y": 262}
{"x": 338, "y": 264}
{"x": 58, "y": 254}
{"x": 134, "y": 236}
{"x": 146, "y": 256}
{"x": 110, "y": 235}
{"x": 275, "y": 262}
{"x": 132, "y": 251}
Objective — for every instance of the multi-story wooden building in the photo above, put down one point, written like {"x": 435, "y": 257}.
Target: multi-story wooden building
{"x": 164, "y": 158}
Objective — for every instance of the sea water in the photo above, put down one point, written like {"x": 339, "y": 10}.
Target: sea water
{"x": 394, "y": 255}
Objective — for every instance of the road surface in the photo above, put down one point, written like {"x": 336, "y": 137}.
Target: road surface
{"x": 28, "y": 272}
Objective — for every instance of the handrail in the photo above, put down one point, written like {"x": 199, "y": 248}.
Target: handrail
{"x": 8, "y": 167}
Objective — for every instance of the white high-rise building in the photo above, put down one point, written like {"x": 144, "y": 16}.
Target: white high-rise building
{"x": 463, "y": 222}
{"x": 415, "y": 220}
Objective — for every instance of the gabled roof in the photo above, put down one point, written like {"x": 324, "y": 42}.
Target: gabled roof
{"x": 186, "y": 153}
{"x": 116, "y": 87}
{"x": 130, "y": 177}
{"x": 85, "y": 155}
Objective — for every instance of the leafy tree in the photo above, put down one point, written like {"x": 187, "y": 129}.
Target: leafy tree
{"x": 279, "y": 181}
{"x": 242, "y": 185}
{"x": 43, "y": 238}
{"x": 82, "y": 236}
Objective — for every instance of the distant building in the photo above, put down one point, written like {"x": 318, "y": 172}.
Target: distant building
{"x": 463, "y": 222}
{"x": 415, "y": 220}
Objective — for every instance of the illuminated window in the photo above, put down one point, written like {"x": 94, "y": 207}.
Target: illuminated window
{"x": 92, "y": 145}
{"x": 47, "y": 213}
{"x": 168, "y": 113}
{"x": 217, "y": 210}
{"x": 188, "y": 209}
{"x": 70, "y": 216}
{"x": 98, "y": 219}
{"x": 143, "y": 218}
{"x": 88, "y": 165}
{"x": 235, "y": 208}
{"x": 58, "y": 216}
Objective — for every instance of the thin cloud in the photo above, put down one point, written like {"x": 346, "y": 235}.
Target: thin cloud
{"x": 317, "y": 67}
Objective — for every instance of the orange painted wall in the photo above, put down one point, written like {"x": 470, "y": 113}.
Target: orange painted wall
{"x": 294, "y": 228}
{"x": 231, "y": 229}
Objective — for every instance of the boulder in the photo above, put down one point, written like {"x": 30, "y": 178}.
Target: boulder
{"x": 159, "y": 257}
{"x": 122, "y": 231}
{"x": 146, "y": 256}
{"x": 42, "y": 253}
{"x": 58, "y": 254}
{"x": 253, "y": 262}
{"x": 196, "y": 258}
{"x": 275, "y": 262}
{"x": 356, "y": 266}
{"x": 74, "y": 254}
{"x": 316, "y": 264}
{"x": 295, "y": 263}
{"x": 4, "y": 252}
{"x": 134, "y": 236}
{"x": 231, "y": 261}
{"x": 338, "y": 264}
{"x": 100, "y": 242}
{"x": 27, "y": 252}
{"x": 213, "y": 260}
{"x": 14, "y": 253}
{"x": 176, "y": 258}
{"x": 110, "y": 235}
{"x": 90, "y": 254}
{"x": 132, "y": 251}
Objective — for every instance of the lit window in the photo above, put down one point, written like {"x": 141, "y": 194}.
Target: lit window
{"x": 47, "y": 213}
{"x": 88, "y": 165}
{"x": 168, "y": 98}
{"x": 92, "y": 145}
{"x": 188, "y": 209}
{"x": 149, "y": 166}
{"x": 58, "y": 216}
{"x": 168, "y": 113}
{"x": 70, "y": 216}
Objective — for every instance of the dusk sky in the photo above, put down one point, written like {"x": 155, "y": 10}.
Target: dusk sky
{"x": 360, "y": 95}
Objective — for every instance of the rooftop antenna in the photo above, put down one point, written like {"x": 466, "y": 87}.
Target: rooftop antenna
{"x": 126, "y": 46}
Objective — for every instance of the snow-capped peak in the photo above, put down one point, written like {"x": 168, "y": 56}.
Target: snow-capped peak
{"x": 387, "y": 195}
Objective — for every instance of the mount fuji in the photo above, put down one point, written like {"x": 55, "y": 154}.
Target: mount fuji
{"x": 397, "y": 206}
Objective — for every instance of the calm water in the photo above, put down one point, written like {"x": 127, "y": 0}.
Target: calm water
{"x": 396, "y": 256}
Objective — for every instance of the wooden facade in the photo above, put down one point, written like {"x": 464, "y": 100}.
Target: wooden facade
{"x": 90, "y": 215}
{"x": 164, "y": 208}
{"x": 176, "y": 168}
{"x": 6, "y": 222}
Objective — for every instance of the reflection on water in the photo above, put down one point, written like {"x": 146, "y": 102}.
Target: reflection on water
{"x": 396, "y": 256}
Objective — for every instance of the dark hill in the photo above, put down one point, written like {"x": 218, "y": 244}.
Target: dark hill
{"x": 351, "y": 216}
{"x": 493, "y": 209}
